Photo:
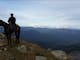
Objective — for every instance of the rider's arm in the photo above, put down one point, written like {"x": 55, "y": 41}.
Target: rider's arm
{"x": 8, "y": 20}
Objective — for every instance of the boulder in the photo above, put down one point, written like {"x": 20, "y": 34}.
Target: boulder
{"x": 41, "y": 58}
{"x": 59, "y": 54}
{"x": 5, "y": 49}
{"x": 22, "y": 49}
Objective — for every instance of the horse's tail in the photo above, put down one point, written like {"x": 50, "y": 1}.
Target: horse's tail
{"x": 17, "y": 27}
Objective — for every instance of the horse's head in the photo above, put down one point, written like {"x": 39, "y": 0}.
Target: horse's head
{"x": 2, "y": 23}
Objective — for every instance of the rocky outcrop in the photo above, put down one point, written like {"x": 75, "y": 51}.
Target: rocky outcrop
{"x": 59, "y": 54}
{"x": 23, "y": 51}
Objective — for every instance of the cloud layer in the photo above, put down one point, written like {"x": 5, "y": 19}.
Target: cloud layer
{"x": 43, "y": 13}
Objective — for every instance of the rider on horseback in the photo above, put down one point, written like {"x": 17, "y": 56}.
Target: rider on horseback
{"x": 12, "y": 21}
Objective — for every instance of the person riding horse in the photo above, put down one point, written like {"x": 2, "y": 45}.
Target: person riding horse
{"x": 12, "y": 21}
{"x": 11, "y": 28}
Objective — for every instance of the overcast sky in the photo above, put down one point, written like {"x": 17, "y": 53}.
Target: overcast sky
{"x": 43, "y": 13}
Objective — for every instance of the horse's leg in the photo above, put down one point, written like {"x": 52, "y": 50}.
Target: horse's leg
{"x": 9, "y": 39}
{"x": 17, "y": 33}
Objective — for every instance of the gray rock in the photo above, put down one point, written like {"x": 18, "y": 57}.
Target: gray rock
{"x": 5, "y": 49}
{"x": 59, "y": 54}
{"x": 41, "y": 58}
{"x": 22, "y": 49}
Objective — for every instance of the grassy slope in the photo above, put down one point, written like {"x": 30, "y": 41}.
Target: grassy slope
{"x": 30, "y": 55}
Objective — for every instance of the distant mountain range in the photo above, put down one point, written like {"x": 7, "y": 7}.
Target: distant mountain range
{"x": 65, "y": 39}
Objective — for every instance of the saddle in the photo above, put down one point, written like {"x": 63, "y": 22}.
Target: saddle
{"x": 12, "y": 27}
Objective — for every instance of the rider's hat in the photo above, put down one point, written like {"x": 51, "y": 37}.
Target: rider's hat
{"x": 12, "y": 14}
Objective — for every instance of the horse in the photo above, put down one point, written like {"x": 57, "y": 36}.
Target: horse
{"x": 8, "y": 31}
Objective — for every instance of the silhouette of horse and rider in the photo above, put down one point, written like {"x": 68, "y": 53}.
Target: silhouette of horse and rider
{"x": 11, "y": 27}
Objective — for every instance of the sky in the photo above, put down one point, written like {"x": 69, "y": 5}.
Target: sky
{"x": 42, "y": 13}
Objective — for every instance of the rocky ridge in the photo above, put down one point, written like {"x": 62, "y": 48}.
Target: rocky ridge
{"x": 24, "y": 51}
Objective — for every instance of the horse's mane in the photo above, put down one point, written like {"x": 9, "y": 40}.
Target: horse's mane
{"x": 2, "y": 22}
